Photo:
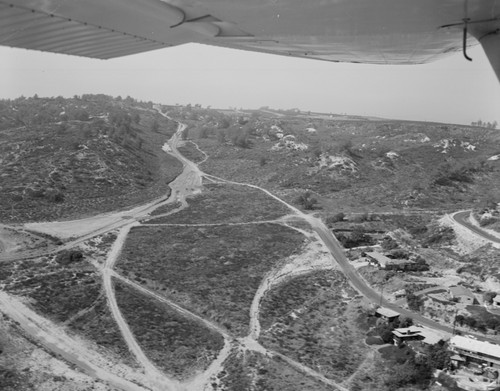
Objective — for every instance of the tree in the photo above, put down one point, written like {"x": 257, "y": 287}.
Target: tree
{"x": 438, "y": 356}
{"x": 406, "y": 322}
{"x": 330, "y": 220}
{"x": 470, "y": 321}
{"x": 488, "y": 297}
{"x": 389, "y": 243}
{"x": 224, "y": 123}
{"x": 155, "y": 126}
{"x": 185, "y": 133}
{"x": 221, "y": 136}
{"x": 68, "y": 256}
{"x": 459, "y": 319}
{"x": 306, "y": 200}
{"x": 415, "y": 302}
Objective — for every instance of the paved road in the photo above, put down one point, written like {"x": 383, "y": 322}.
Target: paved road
{"x": 358, "y": 282}
{"x": 366, "y": 290}
{"x": 462, "y": 218}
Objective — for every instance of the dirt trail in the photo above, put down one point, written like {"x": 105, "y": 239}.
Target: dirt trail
{"x": 315, "y": 257}
{"x": 157, "y": 380}
{"x": 55, "y": 339}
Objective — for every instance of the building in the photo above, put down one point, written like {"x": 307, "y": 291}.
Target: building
{"x": 417, "y": 333}
{"x": 400, "y": 294}
{"x": 477, "y": 352}
{"x": 463, "y": 294}
{"x": 387, "y": 263}
{"x": 386, "y": 314}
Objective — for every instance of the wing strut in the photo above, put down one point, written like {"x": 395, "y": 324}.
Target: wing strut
{"x": 464, "y": 45}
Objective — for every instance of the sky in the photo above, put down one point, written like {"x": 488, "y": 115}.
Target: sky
{"x": 451, "y": 90}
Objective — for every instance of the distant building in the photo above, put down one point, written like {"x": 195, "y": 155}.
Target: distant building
{"x": 400, "y": 294}
{"x": 417, "y": 333}
{"x": 386, "y": 314}
{"x": 463, "y": 294}
{"x": 474, "y": 351}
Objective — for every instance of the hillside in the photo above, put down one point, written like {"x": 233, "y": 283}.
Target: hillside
{"x": 63, "y": 158}
{"x": 355, "y": 165}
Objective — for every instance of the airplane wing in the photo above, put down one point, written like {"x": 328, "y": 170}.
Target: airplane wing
{"x": 364, "y": 31}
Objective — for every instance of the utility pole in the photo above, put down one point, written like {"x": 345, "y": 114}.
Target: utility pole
{"x": 381, "y": 295}
{"x": 455, "y": 321}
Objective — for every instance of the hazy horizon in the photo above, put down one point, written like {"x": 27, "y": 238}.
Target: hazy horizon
{"x": 451, "y": 90}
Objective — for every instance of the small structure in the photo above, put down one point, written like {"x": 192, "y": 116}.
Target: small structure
{"x": 387, "y": 314}
{"x": 384, "y": 262}
{"x": 416, "y": 333}
{"x": 400, "y": 294}
{"x": 457, "y": 361}
{"x": 463, "y": 294}
{"x": 496, "y": 301}
{"x": 474, "y": 351}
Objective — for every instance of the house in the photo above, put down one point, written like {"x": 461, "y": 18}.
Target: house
{"x": 384, "y": 262}
{"x": 400, "y": 294}
{"x": 417, "y": 333}
{"x": 463, "y": 294}
{"x": 496, "y": 301}
{"x": 475, "y": 351}
{"x": 386, "y": 314}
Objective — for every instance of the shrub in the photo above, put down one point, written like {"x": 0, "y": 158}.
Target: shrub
{"x": 330, "y": 220}
{"x": 68, "y": 256}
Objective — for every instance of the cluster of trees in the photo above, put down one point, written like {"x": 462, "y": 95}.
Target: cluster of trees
{"x": 356, "y": 238}
{"x": 419, "y": 370}
{"x": 409, "y": 369}
{"x": 453, "y": 173}
{"x": 336, "y": 218}
{"x": 492, "y": 323}
{"x": 39, "y": 111}
{"x": 306, "y": 200}
{"x": 415, "y": 303}
{"x": 69, "y": 256}
{"x": 384, "y": 330}
{"x": 488, "y": 125}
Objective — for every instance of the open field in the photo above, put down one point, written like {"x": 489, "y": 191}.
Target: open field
{"x": 103, "y": 156}
{"x": 97, "y": 325}
{"x": 179, "y": 346}
{"x": 246, "y": 371}
{"x": 314, "y": 320}
{"x": 224, "y": 203}
{"x": 25, "y": 366}
{"x": 218, "y": 277}
{"x": 58, "y": 291}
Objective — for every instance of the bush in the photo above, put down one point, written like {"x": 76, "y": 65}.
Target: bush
{"x": 306, "y": 200}
{"x": 415, "y": 303}
{"x": 330, "y": 220}
{"x": 68, "y": 256}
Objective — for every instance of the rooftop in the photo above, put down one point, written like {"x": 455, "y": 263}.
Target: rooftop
{"x": 475, "y": 346}
{"x": 460, "y": 291}
{"x": 380, "y": 258}
{"x": 429, "y": 336}
{"x": 387, "y": 312}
